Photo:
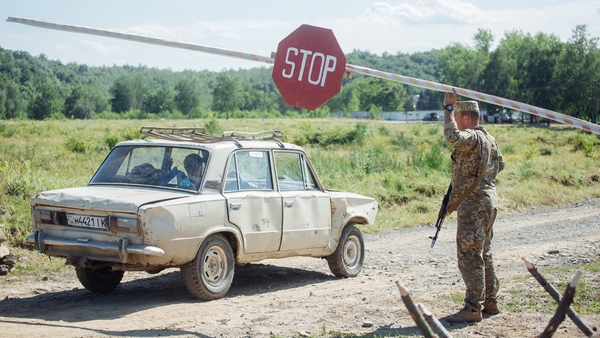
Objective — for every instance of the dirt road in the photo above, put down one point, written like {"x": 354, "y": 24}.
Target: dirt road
{"x": 300, "y": 297}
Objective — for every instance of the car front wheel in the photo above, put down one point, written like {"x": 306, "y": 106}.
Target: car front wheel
{"x": 101, "y": 280}
{"x": 209, "y": 275}
{"x": 347, "y": 259}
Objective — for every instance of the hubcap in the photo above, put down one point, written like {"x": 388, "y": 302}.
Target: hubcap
{"x": 215, "y": 265}
{"x": 352, "y": 250}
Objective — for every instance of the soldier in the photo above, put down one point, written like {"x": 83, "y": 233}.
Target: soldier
{"x": 476, "y": 153}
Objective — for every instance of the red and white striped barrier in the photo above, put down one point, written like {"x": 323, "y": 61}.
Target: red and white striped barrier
{"x": 499, "y": 101}
{"x": 140, "y": 38}
{"x": 545, "y": 113}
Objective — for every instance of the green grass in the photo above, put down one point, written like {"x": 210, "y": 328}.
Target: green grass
{"x": 34, "y": 263}
{"x": 454, "y": 297}
{"x": 587, "y": 294}
{"x": 524, "y": 294}
{"x": 405, "y": 167}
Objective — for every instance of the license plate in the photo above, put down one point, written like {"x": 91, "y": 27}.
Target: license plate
{"x": 87, "y": 221}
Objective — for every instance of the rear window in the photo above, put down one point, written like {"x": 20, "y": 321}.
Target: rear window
{"x": 169, "y": 167}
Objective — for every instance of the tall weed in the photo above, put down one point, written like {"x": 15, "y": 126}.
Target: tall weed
{"x": 584, "y": 142}
{"x": 213, "y": 127}
{"x": 77, "y": 144}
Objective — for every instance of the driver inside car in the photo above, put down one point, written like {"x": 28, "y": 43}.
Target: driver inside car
{"x": 193, "y": 166}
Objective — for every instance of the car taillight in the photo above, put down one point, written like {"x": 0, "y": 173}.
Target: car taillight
{"x": 122, "y": 224}
{"x": 45, "y": 217}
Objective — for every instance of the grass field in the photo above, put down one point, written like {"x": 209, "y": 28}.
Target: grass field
{"x": 405, "y": 167}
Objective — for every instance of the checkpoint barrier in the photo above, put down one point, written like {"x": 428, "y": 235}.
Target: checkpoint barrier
{"x": 499, "y": 101}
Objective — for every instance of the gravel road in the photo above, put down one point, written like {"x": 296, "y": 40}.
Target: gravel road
{"x": 300, "y": 297}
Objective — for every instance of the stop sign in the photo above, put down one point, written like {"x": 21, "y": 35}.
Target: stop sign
{"x": 309, "y": 67}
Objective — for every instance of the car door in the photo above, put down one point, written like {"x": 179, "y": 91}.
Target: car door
{"x": 252, "y": 203}
{"x": 306, "y": 209}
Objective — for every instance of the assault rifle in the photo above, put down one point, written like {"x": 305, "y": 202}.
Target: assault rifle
{"x": 441, "y": 215}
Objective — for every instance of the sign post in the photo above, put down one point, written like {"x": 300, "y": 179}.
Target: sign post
{"x": 309, "y": 67}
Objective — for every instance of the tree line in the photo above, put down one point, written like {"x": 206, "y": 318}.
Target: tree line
{"x": 536, "y": 69}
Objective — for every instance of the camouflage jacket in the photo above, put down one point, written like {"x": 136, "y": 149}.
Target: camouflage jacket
{"x": 470, "y": 148}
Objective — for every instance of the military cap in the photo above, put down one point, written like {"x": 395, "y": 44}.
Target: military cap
{"x": 466, "y": 106}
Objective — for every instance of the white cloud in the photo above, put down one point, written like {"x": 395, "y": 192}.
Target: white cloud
{"x": 426, "y": 12}
{"x": 103, "y": 49}
{"x": 559, "y": 20}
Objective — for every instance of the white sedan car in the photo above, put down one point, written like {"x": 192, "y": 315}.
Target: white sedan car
{"x": 182, "y": 198}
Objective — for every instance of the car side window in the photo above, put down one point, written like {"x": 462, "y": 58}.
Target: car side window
{"x": 293, "y": 172}
{"x": 249, "y": 170}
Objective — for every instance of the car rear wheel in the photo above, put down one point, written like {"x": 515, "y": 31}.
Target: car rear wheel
{"x": 209, "y": 275}
{"x": 101, "y": 280}
{"x": 347, "y": 259}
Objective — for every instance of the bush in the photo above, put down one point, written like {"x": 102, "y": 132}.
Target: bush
{"x": 108, "y": 116}
{"x": 111, "y": 140}
{"x": 213, "y": 127}
{"x": 583, "y": 142}
{"x": 18, "y": 188}
{"x": 8, "y": 130}
{"x": 77, "y": 144}
{"x": 130, "y": 133}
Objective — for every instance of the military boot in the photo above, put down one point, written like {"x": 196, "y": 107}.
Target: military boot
{"x": 465, "y": 315}
{"x": 491, "y": 306}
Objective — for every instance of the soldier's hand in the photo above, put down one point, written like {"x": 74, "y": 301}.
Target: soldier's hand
{"x": 450, "y": 98}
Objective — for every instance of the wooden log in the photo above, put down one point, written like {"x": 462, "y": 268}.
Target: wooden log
{"x": 433, "y": 322}
{"x": 556, "y": 295}
{"x": 563, "y": 306}
{"x": 414, "y": 312}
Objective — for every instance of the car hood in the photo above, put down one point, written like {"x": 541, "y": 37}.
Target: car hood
{"x": 114, "y": 199}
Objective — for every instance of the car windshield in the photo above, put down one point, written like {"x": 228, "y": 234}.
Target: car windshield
{"x": 157, "y": 166}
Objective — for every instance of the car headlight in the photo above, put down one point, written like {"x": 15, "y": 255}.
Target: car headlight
{"x": 123, "y": 224}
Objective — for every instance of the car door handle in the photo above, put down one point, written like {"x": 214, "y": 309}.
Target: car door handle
{"x": 235, "y": 206}
{"x": 289, "y": 204}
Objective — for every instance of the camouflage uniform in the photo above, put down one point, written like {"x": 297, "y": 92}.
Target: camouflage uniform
{"x": 476, "y": 214}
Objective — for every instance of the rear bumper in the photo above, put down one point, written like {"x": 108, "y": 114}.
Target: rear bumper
{"x": 123, "y": 248}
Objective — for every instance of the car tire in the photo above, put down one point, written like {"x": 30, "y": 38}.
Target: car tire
{"x": 347, "y": 259}
{"x": 101, "y": 280}
{"x": 209, "y": 275}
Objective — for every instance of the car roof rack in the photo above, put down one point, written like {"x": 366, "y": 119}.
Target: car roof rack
{"x": 275, "y": 135}
{"x": 198, "y": 135}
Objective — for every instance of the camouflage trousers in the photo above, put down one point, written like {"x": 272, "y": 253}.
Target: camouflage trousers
{"x": 473, "y": 239}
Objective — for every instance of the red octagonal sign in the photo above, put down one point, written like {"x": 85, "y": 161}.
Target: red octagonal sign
{"x": 309, "y": 67}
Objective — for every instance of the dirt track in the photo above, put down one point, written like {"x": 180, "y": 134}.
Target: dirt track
{"x": 299, "y": 296}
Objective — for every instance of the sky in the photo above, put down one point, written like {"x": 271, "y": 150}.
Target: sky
{"x": 257, "y": 26}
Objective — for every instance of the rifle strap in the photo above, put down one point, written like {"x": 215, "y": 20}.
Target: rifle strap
{"x": 472, "y": 187}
